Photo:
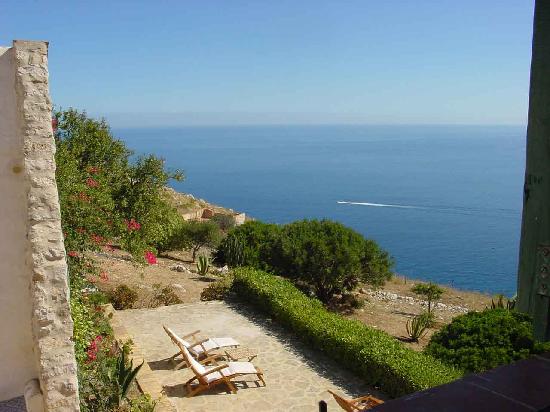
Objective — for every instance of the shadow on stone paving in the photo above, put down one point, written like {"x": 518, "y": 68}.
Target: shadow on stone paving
{"x": 316, "y": 360}
{"x": 180, "y": 391}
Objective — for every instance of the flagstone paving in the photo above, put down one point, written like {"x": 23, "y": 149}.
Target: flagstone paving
{"x": 297, "y": 378}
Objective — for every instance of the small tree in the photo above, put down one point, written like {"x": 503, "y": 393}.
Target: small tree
{"x": 200, "y": 234}
{"x": 430, "y": 291}
{"x": 324, "y": 254}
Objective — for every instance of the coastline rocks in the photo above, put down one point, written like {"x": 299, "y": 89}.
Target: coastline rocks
{"x": 394, "y": 297}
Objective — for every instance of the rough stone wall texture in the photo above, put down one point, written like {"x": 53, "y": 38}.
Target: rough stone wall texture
{"x": 17, "y": 365}
{"x": 51, "y": 320}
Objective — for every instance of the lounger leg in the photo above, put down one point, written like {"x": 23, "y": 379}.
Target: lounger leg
{"x": 231, "y": 386}
{"x": 181, "y": 365}
{"x": 175, "y": 355}
{"x": 260, "y": 375}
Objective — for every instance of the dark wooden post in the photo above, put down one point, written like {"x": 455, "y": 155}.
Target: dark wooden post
{"x": 534, "y": 258}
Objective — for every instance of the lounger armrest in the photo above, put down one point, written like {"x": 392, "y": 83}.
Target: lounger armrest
{"x": 190, "y": 334}
{"x": 216, "y": 369}
{"x": 211, "y": 358}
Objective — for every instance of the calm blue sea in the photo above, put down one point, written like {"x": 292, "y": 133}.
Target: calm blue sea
{"x": 444, "y": 200}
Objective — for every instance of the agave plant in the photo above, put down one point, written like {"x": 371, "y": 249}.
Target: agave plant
{"x": 417, "y": 326}
{"x": 203, "y": 265}
{"x": 126, "y": 373}
{"x": 499, "y": 304}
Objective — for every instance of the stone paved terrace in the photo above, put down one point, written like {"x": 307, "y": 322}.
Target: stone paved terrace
{"x": 296, "y": 377}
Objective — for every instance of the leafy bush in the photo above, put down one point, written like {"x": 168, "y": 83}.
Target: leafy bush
{"x": 324, "y": 254}
{"x": 224, "y": 221}
{"x": 478, "y": 341}
{"x": 217, "y": 290}
{"x": 258, "y": 241}
{"x": 374, "y": 355}
{"x": 163, "y": 296}
{"x": 102, "y": 194}
{"x": 430, "y": 291}
{"x": 195, "y": 234}
{"x": 328, "y": 256}
{"x": 123, "y": 297}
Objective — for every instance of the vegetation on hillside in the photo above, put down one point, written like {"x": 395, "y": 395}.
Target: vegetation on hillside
{"x": 325, "y": 256}
{"x": 478, "y": 341}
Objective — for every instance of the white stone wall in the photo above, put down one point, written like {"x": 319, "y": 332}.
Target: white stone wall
{"x": 35, "y": 336}
{"x": 17, "y": 364}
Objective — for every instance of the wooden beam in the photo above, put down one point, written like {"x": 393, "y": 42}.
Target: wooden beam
{"x": 534, "y": 259}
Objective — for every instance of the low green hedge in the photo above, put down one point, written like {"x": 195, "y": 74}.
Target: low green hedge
{"x": 372, "y": 354}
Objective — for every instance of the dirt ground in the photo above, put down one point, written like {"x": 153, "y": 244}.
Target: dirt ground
{"x": 387, "y": 308}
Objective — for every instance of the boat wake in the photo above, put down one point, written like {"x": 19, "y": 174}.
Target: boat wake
{"x": 441, "y": 209}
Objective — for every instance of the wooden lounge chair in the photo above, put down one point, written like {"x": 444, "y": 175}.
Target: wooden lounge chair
{"x": 201, "y": 349}
{"x": 210, "y": 376}
{"x": 358, "y": 404}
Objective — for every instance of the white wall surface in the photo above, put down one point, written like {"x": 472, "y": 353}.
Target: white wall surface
{"x": 17, "y": 362}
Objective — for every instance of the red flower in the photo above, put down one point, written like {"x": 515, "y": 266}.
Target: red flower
{"x": 92, "y": 182}
{"x": 73, "y": 253}
{"x": 98, "y": 240}
{"x": 54, "y": 124}
{"x": 93, "y": 348}
{"x": 132, "y": 225}
{"x": 84, "y": 197}
{"x": 150, "y": 257}
{"x": 104, "y": 276}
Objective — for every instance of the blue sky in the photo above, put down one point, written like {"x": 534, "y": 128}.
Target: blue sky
{"x": 238, "y": 62}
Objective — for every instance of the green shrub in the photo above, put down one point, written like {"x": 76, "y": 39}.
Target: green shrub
{"x": 199, "y": 234}
{"x": 102, "y": 194}
{"x": 217, "y": 290}
{"x": 163, "y": 296}
{"x": 374, "y": 355}
{"x": 327, "y": 256}
{"x": 478, "y": 341}
{"x": 224, "y": 221}
{"x": 258, "y": 241}
{"x": 430, "y": 291}
{"x": 123, "y": 297}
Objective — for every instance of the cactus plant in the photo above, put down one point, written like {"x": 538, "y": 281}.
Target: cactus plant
{"x": 417, "y": 326}
{"x": 234, "y": 251}
{"x": 203, "y": 265}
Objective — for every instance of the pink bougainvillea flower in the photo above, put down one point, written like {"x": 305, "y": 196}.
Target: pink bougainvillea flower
{"x": 94, "y": 348}
{"x": 132, "y": 225}
{"x": 83, "y": 196}
{"x": 98, "y": 240}
{"x": 91, "y": 182}
{"x": 73, "y": 253}
{"x": 150, "y": 257}
{"x": 54, "y": 124}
